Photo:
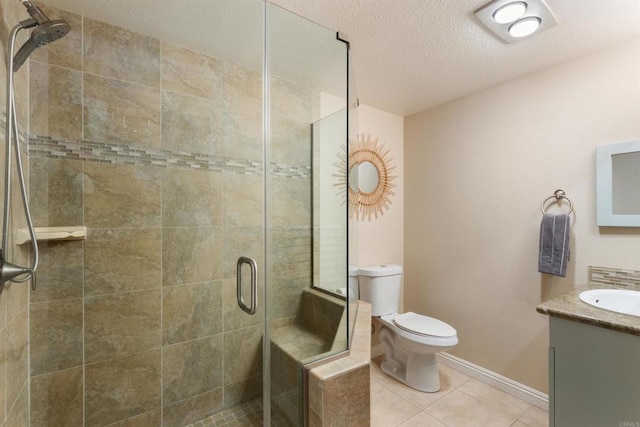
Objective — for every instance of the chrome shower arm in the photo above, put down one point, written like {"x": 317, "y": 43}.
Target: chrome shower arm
{"x": 35, "y": 12}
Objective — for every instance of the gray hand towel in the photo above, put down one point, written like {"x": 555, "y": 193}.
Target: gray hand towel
{"x": 554, "y": 244}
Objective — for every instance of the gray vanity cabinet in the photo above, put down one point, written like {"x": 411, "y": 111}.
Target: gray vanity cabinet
{"x": 594, "y": 376}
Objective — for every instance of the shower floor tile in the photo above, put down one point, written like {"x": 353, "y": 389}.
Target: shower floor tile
{"x": 246, "y": 415}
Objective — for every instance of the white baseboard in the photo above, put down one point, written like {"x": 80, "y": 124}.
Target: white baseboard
{"x": 509, "y": 386}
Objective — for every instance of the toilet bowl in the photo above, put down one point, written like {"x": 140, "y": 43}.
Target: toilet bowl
{"x": 411, "y": 340}
{"x": 410, "y": 353}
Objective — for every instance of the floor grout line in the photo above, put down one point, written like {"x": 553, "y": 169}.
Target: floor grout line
{"x": 388, "y": 383}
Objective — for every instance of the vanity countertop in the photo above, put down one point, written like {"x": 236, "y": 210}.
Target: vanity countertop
{"x": 570, "y": 307}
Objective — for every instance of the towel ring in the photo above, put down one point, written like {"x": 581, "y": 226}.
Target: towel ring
{"x": 558, "y": 194}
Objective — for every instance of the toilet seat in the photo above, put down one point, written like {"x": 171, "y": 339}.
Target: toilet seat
{"x": 420, "y": 338}
{"x": 423, "y": 325}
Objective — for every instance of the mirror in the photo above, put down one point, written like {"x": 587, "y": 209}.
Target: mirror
{"x": 618, "y": 184}
{"x": 363, "y": 177}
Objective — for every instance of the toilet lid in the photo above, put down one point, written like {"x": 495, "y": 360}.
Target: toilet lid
{"x": 423, "y": 325}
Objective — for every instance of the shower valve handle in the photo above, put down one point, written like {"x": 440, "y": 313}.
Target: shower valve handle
{"x": 9, "y": 271}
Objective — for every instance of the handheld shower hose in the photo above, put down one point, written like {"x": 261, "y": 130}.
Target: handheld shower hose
{"x": 45, "y": 31}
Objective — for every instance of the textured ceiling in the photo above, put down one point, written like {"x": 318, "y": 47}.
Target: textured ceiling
{"x": 408, "y": 55}
{"x": 411, "y": 55}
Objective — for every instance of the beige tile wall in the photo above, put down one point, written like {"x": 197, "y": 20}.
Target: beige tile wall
{"x": 136, "y": 322}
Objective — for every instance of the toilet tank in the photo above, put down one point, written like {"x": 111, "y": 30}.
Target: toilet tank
{"x": 380, "y": 286}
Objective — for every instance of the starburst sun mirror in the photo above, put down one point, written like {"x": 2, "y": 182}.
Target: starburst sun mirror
{"x": 366, "y": 177}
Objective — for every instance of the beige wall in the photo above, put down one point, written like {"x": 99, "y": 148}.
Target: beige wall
{"x": 476, "y": 171}
{"x": 380, "y": 241}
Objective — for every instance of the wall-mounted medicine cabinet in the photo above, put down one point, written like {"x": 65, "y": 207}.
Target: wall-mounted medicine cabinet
{"x": 618, "y": 184}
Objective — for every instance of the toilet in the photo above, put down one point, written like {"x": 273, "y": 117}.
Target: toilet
{"x": 411, "y": 340}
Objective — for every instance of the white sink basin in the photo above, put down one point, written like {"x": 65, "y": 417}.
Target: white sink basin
{"x": 619, "y": 300}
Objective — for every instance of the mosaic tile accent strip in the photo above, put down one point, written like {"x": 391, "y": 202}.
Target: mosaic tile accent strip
{"x": 246, "y": 415}
{"x": 615, "y": 276}
{"x": 106, "y": 152}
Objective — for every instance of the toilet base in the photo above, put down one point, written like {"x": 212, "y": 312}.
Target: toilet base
{"x": 417, "y": 370}
{"x": 426, "y": 378}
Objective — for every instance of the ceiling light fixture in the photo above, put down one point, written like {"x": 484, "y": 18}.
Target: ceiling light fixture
{"x": 525, "y": 27}
{"x": 509, "y": 12}
{"x": 514, "y": 20}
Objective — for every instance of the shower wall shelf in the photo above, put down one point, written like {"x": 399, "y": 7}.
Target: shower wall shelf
{"x": 52, "y": 233}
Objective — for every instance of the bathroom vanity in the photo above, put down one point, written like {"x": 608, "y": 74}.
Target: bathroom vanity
{"x": 594, "y": 364}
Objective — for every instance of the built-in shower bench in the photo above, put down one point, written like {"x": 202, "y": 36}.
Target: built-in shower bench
{"x": 319, "y": 329}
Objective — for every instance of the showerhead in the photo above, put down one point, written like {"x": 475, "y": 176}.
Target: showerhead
{"x": 46, "y": 31}
{"x": 49, "y": 32}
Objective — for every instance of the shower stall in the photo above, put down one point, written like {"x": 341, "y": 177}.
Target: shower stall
{"x": 177, "y": 134}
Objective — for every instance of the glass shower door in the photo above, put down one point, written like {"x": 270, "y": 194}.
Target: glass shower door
{"x": 181, "y": 140}
{"x": 244, "y": 262}
{"x": 306, "y": 76}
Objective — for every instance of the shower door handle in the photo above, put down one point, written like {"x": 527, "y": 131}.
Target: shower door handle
{"x": 253, "y": 305}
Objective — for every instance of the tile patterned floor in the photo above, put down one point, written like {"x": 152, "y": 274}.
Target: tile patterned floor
{"x": 463, "y": 401}
{"x": 246, "y": 415}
